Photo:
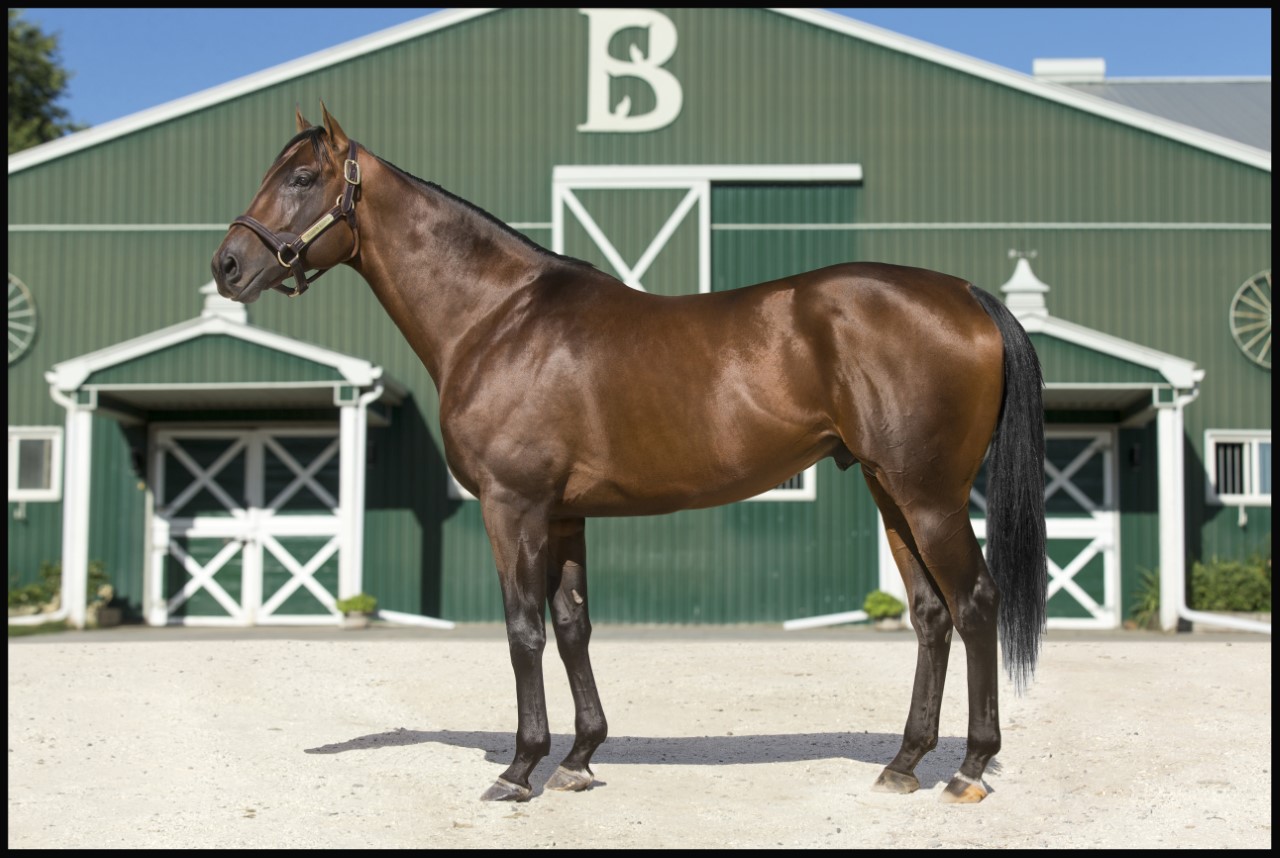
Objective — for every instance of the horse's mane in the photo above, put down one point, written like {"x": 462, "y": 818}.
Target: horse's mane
{"x": 472, "y": 207}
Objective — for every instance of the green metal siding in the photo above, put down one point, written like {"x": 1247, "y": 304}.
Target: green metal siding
{"x": 34, "y": 539}
{"x": 94, "y": 290}
{"x": 214, "y": 359}
{"x": 1067, "y": 363}
{"x": 741, "y": 257}
{"x": 1139, "y": 477}
{"x": 117, "y": 530}
{"x": 489, "y": 107}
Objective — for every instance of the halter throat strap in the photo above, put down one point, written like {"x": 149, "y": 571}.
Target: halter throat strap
{"x": 289, "y": 249}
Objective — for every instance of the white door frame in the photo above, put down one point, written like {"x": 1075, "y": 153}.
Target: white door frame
{"x": 695, "y": 179}
{"x": 249, "y": 530}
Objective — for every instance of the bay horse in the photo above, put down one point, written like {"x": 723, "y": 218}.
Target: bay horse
{"x": 565, "y": 395}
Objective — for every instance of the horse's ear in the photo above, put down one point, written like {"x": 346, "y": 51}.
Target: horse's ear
{"x": 337, "y": 137}
{"x": 303, "y": 124}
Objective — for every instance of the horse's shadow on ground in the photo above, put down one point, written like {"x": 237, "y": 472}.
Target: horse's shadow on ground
{"x": 878, "y": 748}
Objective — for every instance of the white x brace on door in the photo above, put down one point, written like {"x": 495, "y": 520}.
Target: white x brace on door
{"x": 246, "y": 528}
{"x": 1082, "y": 526}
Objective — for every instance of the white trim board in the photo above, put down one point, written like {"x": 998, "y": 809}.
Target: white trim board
{"x": 1174, "y": 226}
{"x": 70, "y": 374}
{"x": 650, "y": 175}
{"x": 1179, "y": 372}
{"x": 817, "y": 17}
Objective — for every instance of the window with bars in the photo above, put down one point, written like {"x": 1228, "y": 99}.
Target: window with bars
{"x": 35, "y": 463}
{"x": 801, "y": 487}
{"x": 1239, "y": 465}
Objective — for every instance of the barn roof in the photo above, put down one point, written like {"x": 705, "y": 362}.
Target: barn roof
{"x": 1066, "y": 95}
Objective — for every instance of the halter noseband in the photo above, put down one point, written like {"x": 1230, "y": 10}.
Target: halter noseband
{"x": 289, "y": 253}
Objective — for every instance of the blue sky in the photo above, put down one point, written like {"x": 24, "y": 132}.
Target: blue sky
{"x": 126, "y": 60}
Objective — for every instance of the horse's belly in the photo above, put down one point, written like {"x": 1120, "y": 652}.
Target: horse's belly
{"x": 657, "y": 486}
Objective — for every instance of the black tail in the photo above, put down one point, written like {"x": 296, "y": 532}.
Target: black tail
{"x": 1015, "y": 498}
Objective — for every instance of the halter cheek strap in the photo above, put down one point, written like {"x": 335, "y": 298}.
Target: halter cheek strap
{"x": 289, "y": 249}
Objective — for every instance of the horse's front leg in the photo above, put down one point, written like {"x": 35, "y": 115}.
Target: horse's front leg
{"x": 567, "y": 596}
{"x": 518, "y": 531}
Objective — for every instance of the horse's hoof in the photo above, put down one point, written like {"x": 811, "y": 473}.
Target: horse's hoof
{"x": 506, "y": 791}
{"x": 569, "y": 781}
{"x": 961, "y": 790}
{"x": 895, "y": 782}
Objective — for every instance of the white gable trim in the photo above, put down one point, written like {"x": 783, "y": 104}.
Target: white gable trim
{"x": 69, "y": 375}
{"x": 1179, "y": 372}
{"x": 831, "y": 21}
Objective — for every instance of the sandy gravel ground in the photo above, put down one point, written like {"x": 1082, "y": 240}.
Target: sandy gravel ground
{"x": 385, "y": 738}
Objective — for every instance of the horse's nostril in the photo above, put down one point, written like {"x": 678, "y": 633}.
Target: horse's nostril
{"x": 229, "y": 265}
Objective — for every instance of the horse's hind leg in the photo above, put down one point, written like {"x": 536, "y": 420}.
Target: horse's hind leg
{"x": 945, "y": 543}
{"x": 932, "y": 622}
{"x": 567, "y": 596}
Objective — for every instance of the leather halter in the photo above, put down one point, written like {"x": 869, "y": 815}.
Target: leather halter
{"x": 289, "y": 252}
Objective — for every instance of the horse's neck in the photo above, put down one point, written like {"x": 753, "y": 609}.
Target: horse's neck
{"x": 440, "y": 268}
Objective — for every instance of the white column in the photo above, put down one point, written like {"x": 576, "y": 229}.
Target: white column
{"x": 1172, "y": 508}
{"x": 353, "y": 426}
{"x": 75, "y": 510}
{"x": 350, "y": 451}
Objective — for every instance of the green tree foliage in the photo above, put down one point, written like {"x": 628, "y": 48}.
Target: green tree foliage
{"x": 36, "y": 82}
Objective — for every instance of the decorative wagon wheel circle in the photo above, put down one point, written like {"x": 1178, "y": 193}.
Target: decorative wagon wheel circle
{"x": 1251, "y": 318}
{"x": 22, "y": 319}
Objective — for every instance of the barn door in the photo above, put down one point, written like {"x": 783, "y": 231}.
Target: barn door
{"x": 246, "y": 529}
{"x": 1082, "y": 526}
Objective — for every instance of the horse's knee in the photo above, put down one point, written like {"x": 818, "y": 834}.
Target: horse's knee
{"x": 930, "y": 617}
{"x": 526, "y": 639}
{"x": 976, "y": 610}
{"x": 572, "y": 632}
{"x": 570, "y": 617}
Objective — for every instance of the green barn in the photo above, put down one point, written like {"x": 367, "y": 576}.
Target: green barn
{"x": 243, "y": 467}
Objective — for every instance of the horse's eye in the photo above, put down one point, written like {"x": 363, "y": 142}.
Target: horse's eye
{"x": 301, "y": 179}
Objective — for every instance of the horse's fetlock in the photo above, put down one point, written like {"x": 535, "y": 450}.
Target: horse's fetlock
{"x": 534, "y": 745}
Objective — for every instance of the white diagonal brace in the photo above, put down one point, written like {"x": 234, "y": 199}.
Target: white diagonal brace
{"x": 204, "y": 479}
{"x": 301, "y": 575}
{"x": 1062, "y": 479}
{"x": 302, "y": 476}
{"x": 1063, "y": 578}
{"x": 202, "y": 576}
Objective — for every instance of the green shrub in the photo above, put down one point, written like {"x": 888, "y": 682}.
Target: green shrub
{"x": 361, "y": 603}
{"x": 1145, "y": 611}
{"x": 1232, "y": 585}
{"x": 880, "y": 605}
{"x": 49, "y": 587}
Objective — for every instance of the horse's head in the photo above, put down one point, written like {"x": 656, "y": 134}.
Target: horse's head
{"x": 313, "y": 184}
